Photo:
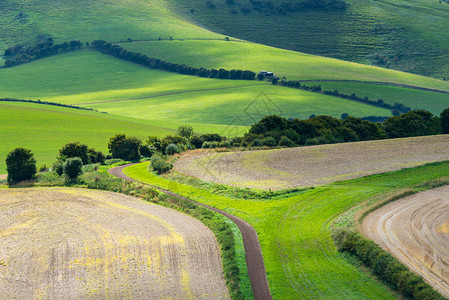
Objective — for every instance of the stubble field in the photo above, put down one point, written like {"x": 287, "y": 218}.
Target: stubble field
{"x": 415, "y": 229}
{"x": 71, "y": 243}
{"x": 314, "y": 165}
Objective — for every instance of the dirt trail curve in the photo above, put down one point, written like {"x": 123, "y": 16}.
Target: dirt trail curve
{"x": 415, "y": 229}
{"x": 253, "y": 252}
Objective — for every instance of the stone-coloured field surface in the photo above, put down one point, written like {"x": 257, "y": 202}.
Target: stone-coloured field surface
{"x": 76, "y": 244}
{"x": 313, "y": 165}
{"x": 415, "y": 229}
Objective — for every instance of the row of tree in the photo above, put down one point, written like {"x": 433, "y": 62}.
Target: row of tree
{"x": 46, "y": 103}
{"x": 154, "y": 63}
{"x": 396, "y": 108}
{"x": 326, "y": 129}
{"x": 19, "y": 54}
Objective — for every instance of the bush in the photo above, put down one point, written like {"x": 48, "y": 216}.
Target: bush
{"x": 159, "y": 165}
{"x": 58, "y": 167}
{"x": 185, "y": 131}
{"x": 125, "y": 148}
{"x": 75, "y": 149}
{"x": 286, "y": 142}
{"x": 256, "y": 143}
{"x": 43, "y": 169}
{"x": 172, "y": 149}
{"x": 73, "y": 167}
{"x": 20, "y": 165}
{"x": 146, "y": 151}
{"x": 269, "y": 141}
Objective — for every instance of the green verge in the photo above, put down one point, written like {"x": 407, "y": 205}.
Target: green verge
{"x": 294, "y": 229}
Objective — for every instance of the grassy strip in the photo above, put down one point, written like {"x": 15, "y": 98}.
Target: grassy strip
{"x": 295, "y": 230}
{"x": 218, "y": 224}
{"x": 386, "y": 267}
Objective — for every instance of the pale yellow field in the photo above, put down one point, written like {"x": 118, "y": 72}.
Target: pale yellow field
{"x": 314, "y": 165}
{"x": 74, "y": 243}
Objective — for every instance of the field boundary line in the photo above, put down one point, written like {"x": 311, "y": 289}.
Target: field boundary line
{"x": 253, "y": 252}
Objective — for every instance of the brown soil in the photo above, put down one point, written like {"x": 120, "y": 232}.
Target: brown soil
{"x": 416, "y": 230}
{"x": 314, "y": 165}
{"x": 3, "y": 176}
{"x": 77, "y": 244}
{"x": 253, "y": 252}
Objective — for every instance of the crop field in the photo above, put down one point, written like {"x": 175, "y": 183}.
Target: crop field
{"x": 415, "y": 99}
{"x": 415, "y": 229}
{"x": 313, "y": 165}
{"x": 69, "y": 243}
{"x": 22, "y": 125}
{"x": 256, "y": 57}
{"x": 295, "y": 229}
{"x": 364, "y": 29}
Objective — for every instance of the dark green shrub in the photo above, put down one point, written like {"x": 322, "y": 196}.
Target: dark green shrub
{"x": 75, "y": 149}
{"x": 172, "y": 149}
{"x": 146, "y": 151}
{"x": 58, "y": 167}
{"x": 159, "y": 165}
{"x": 269, "y": 141}
{"x": 20, "y": 165}
{"x": 286, "y": 142}
{"x": 73, "y": 167}
{"x": 256, "y": 143}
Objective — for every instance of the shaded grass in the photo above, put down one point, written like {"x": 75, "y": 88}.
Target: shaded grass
{"x": 295, "y": 231}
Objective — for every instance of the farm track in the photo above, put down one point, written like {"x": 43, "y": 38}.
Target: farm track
{"x": 415, "y": 229}
{"x": 169, "y": 94}
{"x": 253, "y": 252}
{"x": 63, "y": 243}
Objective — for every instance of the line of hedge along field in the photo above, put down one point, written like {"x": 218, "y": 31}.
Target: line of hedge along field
{"x": 154, "y": 63}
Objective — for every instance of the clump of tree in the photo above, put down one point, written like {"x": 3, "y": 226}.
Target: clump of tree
{"x": 125, "y": 148}
{"x": 154, "y": 63}
{"x": 86, "y": 154}
{"x": 73, "y": 168}
{"x": 20, "y": 165}
{"x": 19, "y": 54}
{"x": 326, "y": 129}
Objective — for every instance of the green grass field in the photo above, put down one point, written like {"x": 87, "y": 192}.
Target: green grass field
{"x": 27, "y": 21}
{"x": 367, "y": 27}
{"x": 256, "y": 57}
{"x": 415, "y": 99}
{"x": 121, "y": 88}
{"x": 45, "y": 129}
{"x": 295, "y": 229}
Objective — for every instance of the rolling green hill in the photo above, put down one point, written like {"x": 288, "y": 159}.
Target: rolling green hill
{"x": 44, "y": 129}
{"x": 408, "y": 35}
{"x": 91, "y": 79}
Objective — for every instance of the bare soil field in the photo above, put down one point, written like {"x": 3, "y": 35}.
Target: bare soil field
{"x": 415, "y": 229}
{"x": 63, "y": 243}
{"x": 313, "y": 165}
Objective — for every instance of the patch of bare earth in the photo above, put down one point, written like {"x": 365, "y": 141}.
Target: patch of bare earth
{"x": 77, "y": 244}
{"x": 415, "y": 229}
{"x": 3, "y": 176}
{"x": 314, "y": 165}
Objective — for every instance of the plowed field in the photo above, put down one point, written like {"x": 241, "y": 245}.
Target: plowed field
{"x": 314, "y": 165}
{"x": 415, "y": 229}
{"x": 75, "y": 243}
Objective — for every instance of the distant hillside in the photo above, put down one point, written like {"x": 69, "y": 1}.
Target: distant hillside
{"x": 408, "y": 35}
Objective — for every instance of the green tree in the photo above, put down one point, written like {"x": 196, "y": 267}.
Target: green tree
{"x": 20, "y": 165}
{"x": 114, "y": 143}
{"x": 444, "y": 116}
{"x": 185, "y": 131}
{"x": 74, "y": 149}
{"x": 73, "y": 168}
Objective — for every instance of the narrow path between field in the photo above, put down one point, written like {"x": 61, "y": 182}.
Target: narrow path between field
{"x": 415, "y": 229}
{"x": 253, "y": 252}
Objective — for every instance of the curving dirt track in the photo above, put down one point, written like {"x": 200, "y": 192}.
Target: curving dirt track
{"x": 416, "y": 230}
{"x": 313, "y": 165}
{"x": 62, "y": 243}
{"x": 253, "y": 252}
